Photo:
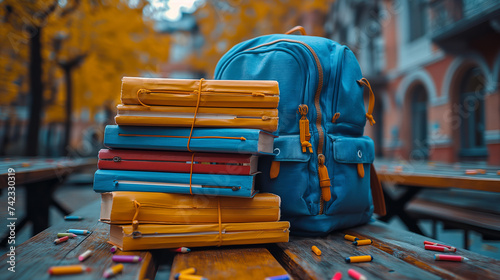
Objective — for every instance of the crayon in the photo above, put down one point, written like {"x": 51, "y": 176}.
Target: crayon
{"x": 68, "y": 269}
{"x": 440, "y": 248}
{"x": 316, "y": 250}
{"x": 279, "y": 277}
{"x": 113, "y": 249}
{"x": 362, "y": 242}
{"x": 61, "y": 240}
{"x": 355, "y": 275}
{"x": 191, "y": 277}
{"x": 437, "y": 244}
{"x": 85, "y": 255}
{"x": 452, "y": 258}
{"x": 78, "y": 231}
{"x": 181, "y": 250}
{"x": 73, "y": 218}
{"x": 471, "y": 172}
{"x": 62, "y": 234}
{"x": 350, "y": 237}
{"x": 113, "y": 270}
{"x": 356, "y": 259}
{"x": 337, "y": 276}
{"x": 126, "y": 258}
{"x": 187, "y": 271}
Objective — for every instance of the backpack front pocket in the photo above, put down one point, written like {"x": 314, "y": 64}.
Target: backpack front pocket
{"x": 288, "y": 175}
{"x": 349, "y": 170}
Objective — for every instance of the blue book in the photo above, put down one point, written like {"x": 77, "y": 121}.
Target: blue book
{"x": 224, "y": 140}
{"x": 204, "y": 184}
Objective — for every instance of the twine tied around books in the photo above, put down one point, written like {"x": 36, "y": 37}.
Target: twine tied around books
{"x": 191, "y": 174}
{"x": 195, "y": 113}
{"x": 135, "y": 222}
{"x": 220, "y": 221}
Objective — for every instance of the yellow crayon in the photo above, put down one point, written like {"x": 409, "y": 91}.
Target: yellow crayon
{"x": 350, "y": 237}
{"x": 191, "y": 277}
{"x": 362, "y": 242}
{"x": 316, "y": 250}
{"x": 113, "y": 270}
{"x": 68, "y": 269}
{"x": 356, "y": 259}
{"x": 190, "y": 270}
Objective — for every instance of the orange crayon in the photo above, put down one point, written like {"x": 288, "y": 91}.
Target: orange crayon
{"x": 316, "y": 250}
{"x": 362, "y": 242}
{"x": 68, "y": 269}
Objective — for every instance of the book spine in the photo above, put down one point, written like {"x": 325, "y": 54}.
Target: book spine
{"x": 159, "y": 166}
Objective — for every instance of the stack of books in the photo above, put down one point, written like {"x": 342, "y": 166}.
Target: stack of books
{"x": 181, "y": 164}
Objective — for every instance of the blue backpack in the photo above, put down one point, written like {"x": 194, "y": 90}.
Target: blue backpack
{"x": 322, "y": 164}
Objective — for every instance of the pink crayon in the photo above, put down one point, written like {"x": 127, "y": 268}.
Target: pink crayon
{"x": 126, "y": 258}
{"x": 440, "y": 248}
{"x": 437, "y": 244}
{"x": 113, "y": 249}
{"x": 452, "y": 258}
{"x": 337, "y": 276}
{"x": 355, "y": 275}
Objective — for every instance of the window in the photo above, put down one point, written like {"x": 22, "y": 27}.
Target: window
{"x": 420, "y": 149}
{"x": 418, "y": 18}
{"x": 471, "y": 111}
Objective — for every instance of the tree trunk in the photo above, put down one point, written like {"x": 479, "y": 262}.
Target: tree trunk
{"x": 36, "y": 91}
{"x": 68, "y": 109}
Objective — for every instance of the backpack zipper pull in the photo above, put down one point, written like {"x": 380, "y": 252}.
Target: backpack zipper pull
{"x": 305, "y": 134}
{"x": 324, "y": 179}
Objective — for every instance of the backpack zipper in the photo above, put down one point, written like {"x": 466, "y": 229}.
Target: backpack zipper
{"x": 321, "y": 135}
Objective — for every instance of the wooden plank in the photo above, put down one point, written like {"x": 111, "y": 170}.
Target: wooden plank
{"x": 408, "y": 247}
{"x": 35, "y": 256}
{"x": 301, "y": 263}
{"x": 234, "y": 262}
{"x": 29, "y": 170}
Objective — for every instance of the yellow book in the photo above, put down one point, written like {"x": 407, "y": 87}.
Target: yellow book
{"x": 169, "y": 208}
{"x": 214, "y": 93}
{"x": 148, "y": 236}
{"x": 138, "y": 115}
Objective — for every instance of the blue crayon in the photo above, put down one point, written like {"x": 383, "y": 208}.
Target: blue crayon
{"x": 279, "y": 277}
{"x": 78, "y": 231}
{"x": 73, "y": 218}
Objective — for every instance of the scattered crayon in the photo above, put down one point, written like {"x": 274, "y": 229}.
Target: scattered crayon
{"x": 398, "y": 169}
{"x": 85, "y": 255}
{"x": 70, "y": 235}
{"x": 68, "y": 269}
{"x": 498, "y": 172}
{"x": 61, "y": 240}
{"x": 437, "y": 244}
{"x": 440, "y": 248}
{"x": 25, "y": 164}
{"x": 316, "y": 250}
{"x": 126, "y": 258}
{"x": 355, "y": 275}
{"x": 78, "y": 231}
{"x": 113, "y": 270}
{"x": 113, "y": 249}
{"x": 190, "y": 270}
{"x": 470, "y": 172}
{"x": 337, "y": 276}
{"x": 356, "y": 259}
{"x": 362, "y": 242}
{"x": 191, "y": 277}
{"x": 73, "y": 218}
{"x": 350, "y": 237}
{"x": 452, "y": 258}
{"x": 279, "y": 277}
{"x": 181, "y": 250}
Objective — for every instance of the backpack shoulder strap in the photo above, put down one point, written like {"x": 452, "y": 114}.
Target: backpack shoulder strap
{"x": 377, "y": 192}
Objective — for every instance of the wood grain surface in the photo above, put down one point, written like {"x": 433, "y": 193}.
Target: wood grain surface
{"x": 229, "y": 263}
{"x": 35, "y": 256}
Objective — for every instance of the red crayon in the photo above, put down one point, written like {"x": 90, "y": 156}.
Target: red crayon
{"x": 355, "y": 275}
{"x": 437, "y": 244}
{"x": 337, "y": 276}
{"x": 452, "y": 258}
{"x": 440, "y": 248}
{"x": 61, "y": 240}
{"x": 181, "y": 250}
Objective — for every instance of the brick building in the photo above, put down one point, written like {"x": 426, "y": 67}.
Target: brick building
{"x": 435, "y": 68}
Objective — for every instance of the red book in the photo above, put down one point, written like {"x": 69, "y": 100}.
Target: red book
{"x": 180, "y": 162}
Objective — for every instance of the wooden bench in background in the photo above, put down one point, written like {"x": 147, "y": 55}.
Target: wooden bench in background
{"x": 397, "y": 254}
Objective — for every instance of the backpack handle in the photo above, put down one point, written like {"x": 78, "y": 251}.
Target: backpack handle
{"x": 295, "y": 29}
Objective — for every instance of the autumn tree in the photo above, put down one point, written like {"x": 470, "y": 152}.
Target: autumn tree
{"x": 77, "y": 62}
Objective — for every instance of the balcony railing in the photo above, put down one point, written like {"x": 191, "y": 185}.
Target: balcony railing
{"x": 454, "y": 16}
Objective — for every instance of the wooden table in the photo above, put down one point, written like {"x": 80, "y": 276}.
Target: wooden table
{"x": 397, "y": 255}
{"x": 40, "y": 176}
{"x": 414, "y": 176}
